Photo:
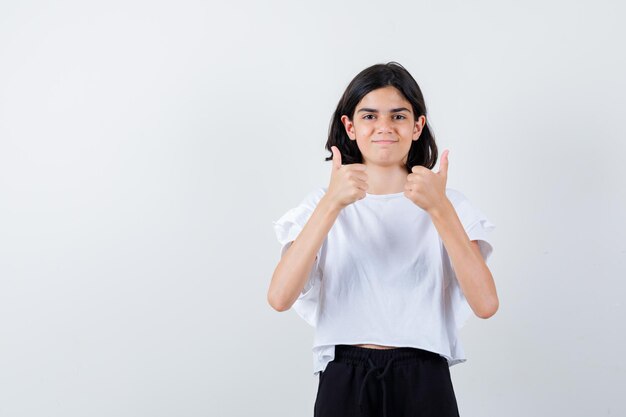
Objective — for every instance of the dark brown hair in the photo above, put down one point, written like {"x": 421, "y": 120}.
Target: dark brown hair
{"x": 422, "y": 152}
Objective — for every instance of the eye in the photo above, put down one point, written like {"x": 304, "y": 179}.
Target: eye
{"x": 367, "y": 116}
{"x": 400, "y": 116}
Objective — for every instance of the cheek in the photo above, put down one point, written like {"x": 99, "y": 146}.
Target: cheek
{"x": 363, "y": 128}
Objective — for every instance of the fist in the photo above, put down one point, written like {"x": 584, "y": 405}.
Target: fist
{"x": 348, "y": 183}
{"x": 425, "y": 188}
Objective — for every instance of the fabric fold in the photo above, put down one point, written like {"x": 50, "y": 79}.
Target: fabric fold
{"x": 287, "y": 228}
{"x": 478, "y": 228}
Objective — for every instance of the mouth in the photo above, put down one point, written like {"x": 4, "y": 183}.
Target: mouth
{"x": 385, "y": 141}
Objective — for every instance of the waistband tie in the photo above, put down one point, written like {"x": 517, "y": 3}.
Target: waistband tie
{"x": 381, "y": 377}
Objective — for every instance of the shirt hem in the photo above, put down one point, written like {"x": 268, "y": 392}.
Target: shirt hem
{"x": 323, "y": 351}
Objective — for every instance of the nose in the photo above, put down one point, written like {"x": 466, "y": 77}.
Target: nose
{"x": 384, "y": 126}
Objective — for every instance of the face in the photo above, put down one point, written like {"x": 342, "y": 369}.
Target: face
{"x": 384, "y": 127}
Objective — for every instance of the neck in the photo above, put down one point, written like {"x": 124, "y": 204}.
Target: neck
{"x": 385, "y": 180}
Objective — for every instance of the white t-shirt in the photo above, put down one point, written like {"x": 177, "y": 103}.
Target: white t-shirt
{"x": 383, "y": 276}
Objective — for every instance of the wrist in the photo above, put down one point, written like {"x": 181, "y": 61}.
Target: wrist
{"x": 441, "y": 210}
{"x": 330, "y": 205}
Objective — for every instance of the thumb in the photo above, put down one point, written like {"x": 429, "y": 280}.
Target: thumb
{"x": 336, "y": 157}
{"x": 443, "y": 166}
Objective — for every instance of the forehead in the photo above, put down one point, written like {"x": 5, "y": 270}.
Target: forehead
{"x": 388, "y": 96}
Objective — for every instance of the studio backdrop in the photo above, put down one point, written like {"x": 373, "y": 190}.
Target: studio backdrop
{"x": 146, "y": 148}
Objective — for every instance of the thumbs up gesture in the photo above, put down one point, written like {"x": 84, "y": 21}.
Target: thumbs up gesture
{"x": 348, "y": 183}
{"x": 427, "y": 189}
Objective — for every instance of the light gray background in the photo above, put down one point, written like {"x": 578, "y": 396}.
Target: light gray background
{"x": 146, "y": 147}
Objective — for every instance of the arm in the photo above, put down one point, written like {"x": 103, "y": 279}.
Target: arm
{"x": 471, "y": 270}
{"x": 295, "y": 266}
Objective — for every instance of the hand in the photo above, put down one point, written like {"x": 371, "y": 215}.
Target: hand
{"x": 348, "y": 183}
{"x": 426, "y": 188}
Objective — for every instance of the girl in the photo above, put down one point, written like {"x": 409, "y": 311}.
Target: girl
{"x": 386, "y": 263}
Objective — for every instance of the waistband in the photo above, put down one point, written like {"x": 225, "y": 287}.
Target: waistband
{"x": 379, "y": 362}
{"x": 361, "y": 355}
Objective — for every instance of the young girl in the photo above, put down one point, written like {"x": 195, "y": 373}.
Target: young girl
{"x": 386, "y": 263}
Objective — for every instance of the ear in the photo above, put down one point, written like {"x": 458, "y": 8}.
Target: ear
{"x": 419, "y": 126}
{"x": 347, "y": 123}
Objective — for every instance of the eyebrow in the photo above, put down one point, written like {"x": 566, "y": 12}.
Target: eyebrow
{"x": 399, "y": 109}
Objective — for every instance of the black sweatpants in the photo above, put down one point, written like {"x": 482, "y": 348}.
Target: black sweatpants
{"x": 397, "y": 382}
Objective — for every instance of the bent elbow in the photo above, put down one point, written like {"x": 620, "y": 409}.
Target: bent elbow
{"x": 488, "y": 310}
{"x": 277, "y": 305}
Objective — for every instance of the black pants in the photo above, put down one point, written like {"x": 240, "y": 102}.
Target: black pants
{"x": 397, "y": 382}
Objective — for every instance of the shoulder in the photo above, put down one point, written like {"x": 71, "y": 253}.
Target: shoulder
{"x": 455, "y": 196}
{"x": 468, "y": 212}
{"x": 313, "y": 197}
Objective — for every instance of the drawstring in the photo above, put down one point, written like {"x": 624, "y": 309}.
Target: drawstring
{"x": 380, "y": 376}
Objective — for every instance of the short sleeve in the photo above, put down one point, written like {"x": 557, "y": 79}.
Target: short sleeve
{"x": 287, "y": 229}
{"x": 478, "y": 227}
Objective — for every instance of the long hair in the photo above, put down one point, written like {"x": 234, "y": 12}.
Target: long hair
{"x": 422, "y": 152}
